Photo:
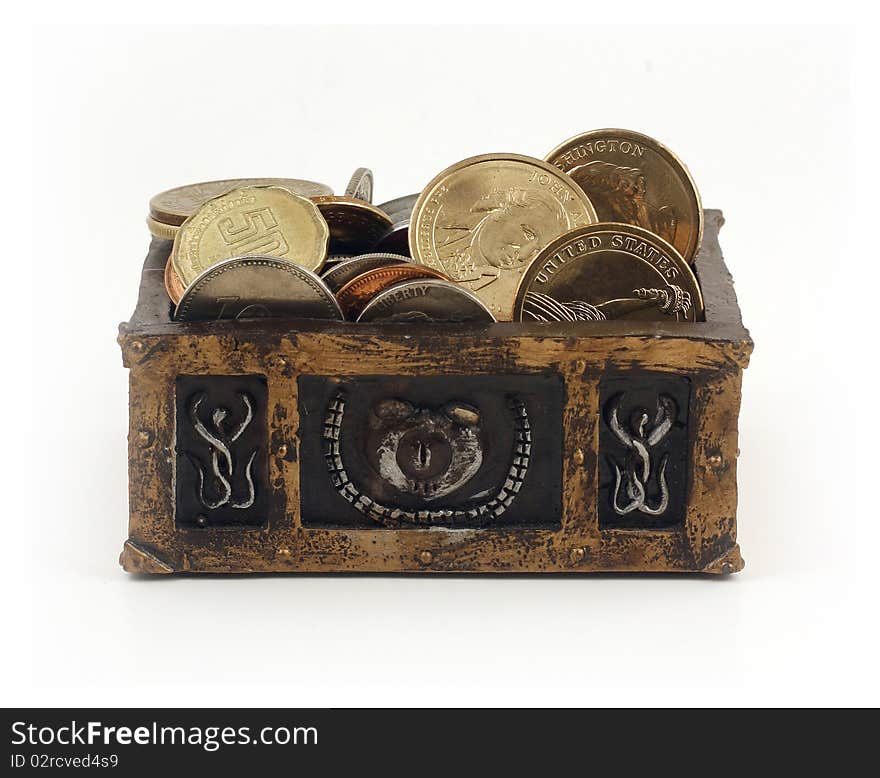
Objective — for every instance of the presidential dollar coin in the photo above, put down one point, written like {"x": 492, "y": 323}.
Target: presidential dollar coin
{"x": 635, "y": 179}
{"x": 609, "y": 271}
{"x": 483, "y": 220}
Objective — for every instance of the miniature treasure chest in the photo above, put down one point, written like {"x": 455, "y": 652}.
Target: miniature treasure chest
{"x": 285, "y": 445}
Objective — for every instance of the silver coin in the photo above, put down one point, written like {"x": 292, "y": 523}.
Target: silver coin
{"x": 343, "y": 272}
{"x": 255, "y": 287}
{"x": 333, "y": 260}
{"x": 400, "y": 208}
{"x": 396, "y": 239}
{"x": 426, "y": 300}
{"x": 360, "y": 185}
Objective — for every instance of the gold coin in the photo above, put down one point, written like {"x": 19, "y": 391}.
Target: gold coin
{"x": 175, "y": 206}
{"x": 634, "y": 179}
{"x": 355, "y": 225}
{"x": 609, "y": 271}
{"x": 161, "y": 230}
{"x": 269, "y": 221}
{"x": 483, "y": 220}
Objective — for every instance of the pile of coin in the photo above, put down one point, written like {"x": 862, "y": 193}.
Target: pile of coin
{"x": 607, "y": 226}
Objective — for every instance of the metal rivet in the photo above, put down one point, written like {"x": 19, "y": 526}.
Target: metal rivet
{"x": 283, "y": 552}
{"x": 280, "y": 363}
{"x": 578, "y": 456}
{"x": 714, "y": 461}
{"x": 580, "y": 365}
{"x": 426, "y": 557}
{"x": 726, "y": 568}
{"x": 137, "y": 346}
{"x": 202, "y": 521}
{"x": 281, "y": 451}
{"x": 577, "y": 554}
{"x": 145, "y": 438}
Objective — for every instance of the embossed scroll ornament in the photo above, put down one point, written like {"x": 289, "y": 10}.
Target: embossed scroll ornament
{"x": 215, "y": 488}
{"x": 426, "y": 453}
{"x": 640, "y": 435}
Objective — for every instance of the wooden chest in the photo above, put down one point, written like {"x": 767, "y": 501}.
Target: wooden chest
{"x": 303, "y": 446}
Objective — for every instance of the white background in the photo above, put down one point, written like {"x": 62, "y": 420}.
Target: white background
{"x": 763, "y": 117}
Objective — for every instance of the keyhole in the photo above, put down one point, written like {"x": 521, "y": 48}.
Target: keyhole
{"x": 424, "y": 455}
